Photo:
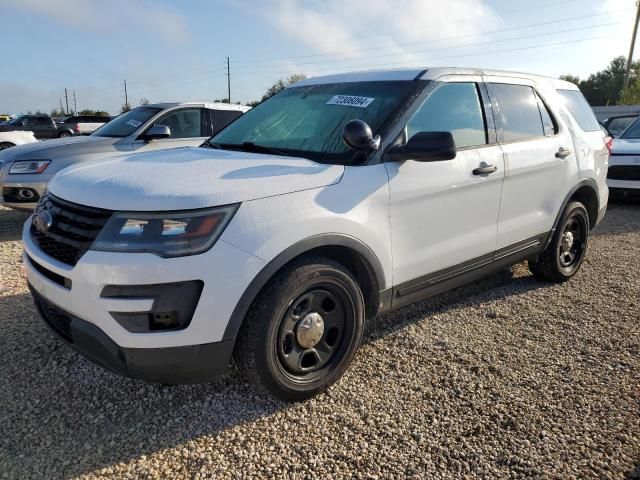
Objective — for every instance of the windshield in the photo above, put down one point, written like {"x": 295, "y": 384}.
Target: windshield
{"x": 127, "y": 123}
{"x": 16, "y": 120}
{"x": 632, "y": 131}
{"x": 308, "y": 121}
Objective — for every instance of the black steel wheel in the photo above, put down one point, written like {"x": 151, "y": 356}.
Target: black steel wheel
{"x": 564, "y": 255}
{"x": 64, "y": 134}
{"x": 303, "y": 329}
{"x": 5, "y": 145}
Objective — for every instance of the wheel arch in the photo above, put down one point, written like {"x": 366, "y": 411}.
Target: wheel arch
{"x": 349, "y": 251}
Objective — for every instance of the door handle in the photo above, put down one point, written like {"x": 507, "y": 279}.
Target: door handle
{"x": 484, "y": 170}
{"x": 563, "y": 152}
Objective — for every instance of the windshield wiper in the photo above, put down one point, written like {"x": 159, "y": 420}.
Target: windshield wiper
{"x": 249, "y": 147}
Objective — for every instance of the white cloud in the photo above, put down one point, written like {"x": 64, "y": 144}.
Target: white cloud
{"x": 107, "y": 17}
{"x": 343, "y": 28}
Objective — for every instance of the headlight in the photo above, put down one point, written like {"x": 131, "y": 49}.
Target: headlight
{"x": 171, "y": 234}
{"x": 29, "y": 166}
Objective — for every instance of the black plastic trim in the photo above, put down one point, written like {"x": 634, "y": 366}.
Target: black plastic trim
{"x": 465, "y": 272}
{"x": 585, "y": 182}
{"x": 54, "y": 277}
{"x": 171, "y": 365}
{"x": 260, "y": 280}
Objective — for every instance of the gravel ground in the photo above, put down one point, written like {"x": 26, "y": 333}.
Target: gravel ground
{"x": 506, "y": 378}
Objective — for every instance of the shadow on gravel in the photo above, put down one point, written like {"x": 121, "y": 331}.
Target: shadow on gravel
{"x": 623, "y": 216}
{"x": 59, "y": 407}
{"x": 633, "y": 474}
{"x": 11, "y": 222}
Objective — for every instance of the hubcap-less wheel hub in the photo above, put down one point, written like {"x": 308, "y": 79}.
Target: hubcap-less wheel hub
{"x": 567, "y": 242}
{"x": 310, "y": 330}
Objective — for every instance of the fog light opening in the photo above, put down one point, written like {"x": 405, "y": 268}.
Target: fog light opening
{"x": 164, "y": 321}
{"x": 27, "y": 194}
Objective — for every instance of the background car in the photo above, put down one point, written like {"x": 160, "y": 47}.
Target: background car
{"x": 616, "y": 125}
{"x": 623, "y": 177}
{"x": 42, "y": 126}
{"x": 83, "y": 124}
{"x": 29, "y": 168}
{"x": 4, "y": 118}
{"x": 11, "y": 139}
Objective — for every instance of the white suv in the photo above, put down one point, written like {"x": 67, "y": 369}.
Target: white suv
{"x": 340, "y": 198}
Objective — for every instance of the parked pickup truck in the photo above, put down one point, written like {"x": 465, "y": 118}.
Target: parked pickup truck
{"x": 42, "y": 126}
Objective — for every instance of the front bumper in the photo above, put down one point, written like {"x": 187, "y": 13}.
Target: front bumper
{"x": 9, "y": 193}
{"x": 196, "y": 353}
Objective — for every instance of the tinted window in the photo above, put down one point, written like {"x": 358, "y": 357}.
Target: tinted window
{"x": 633, "y": 131}
{"x": 44, "y": 121}
{"x": 455, "y": 108}
{"x": 580, "y": 109}
{"x": 548, "y": 124}
{"x": 183, "y": 123}
{"x": 222, "y": 118}
{"x": 518, "y": 113}
{"x": 617, "y": 125}
{"x": 127, "y": 123}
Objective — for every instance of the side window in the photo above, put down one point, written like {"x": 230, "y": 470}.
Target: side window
{"x": 580, "y": 110}
{"x": 43, "y": 121}
{"x": 519, "y": 116}
{"x": 30, "y": 122}
{"x": 455, "y": 108}
{"x": 549, "y": 125}
{"x": 184, "y": 123}
{"x": 222, "y": 118}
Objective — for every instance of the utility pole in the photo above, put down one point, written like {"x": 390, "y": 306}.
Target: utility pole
{"x": 633, "y": 43}
{"x": 75, "y": 105}
{"x": 228, "y": 74}
{"x": 126, "y": 97}
{"x": 61, "y": 106}
{"x": 66, "y": 99}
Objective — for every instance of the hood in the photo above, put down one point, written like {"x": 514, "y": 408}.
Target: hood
{"x": 626, "y": 146}
{"x": 67, "y": 147}
{"x": 188, "y": 178}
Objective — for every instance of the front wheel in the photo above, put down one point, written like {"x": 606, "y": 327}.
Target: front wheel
{"x": 563, "y": 257}
{"x": 303, "y": 329}
{"x": 64, "y": 135}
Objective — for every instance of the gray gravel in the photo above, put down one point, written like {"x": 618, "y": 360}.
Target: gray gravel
{"x": 506, "y": 378}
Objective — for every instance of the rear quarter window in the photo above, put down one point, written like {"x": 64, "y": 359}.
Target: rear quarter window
{"x": 580, "y": 110}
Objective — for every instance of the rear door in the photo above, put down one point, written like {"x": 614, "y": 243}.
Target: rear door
{"x": 539, "y": 160}
{"x": 222, "y": 118}
{"x": 444, "y": 214}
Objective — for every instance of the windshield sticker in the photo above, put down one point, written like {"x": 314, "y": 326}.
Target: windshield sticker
{"x": 350, "y": 101}
{"x": 134, "y": 123}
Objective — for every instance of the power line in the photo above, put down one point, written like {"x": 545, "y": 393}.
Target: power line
{"x": 489, "y": 42}
{"x": 347, "y": 52}
{"x": 389, "y": 65}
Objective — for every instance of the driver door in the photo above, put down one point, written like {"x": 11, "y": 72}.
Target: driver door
{"x": 188, "y": 129}
{"x": 444, "y": 213}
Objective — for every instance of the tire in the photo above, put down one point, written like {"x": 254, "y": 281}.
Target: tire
{"x": 563, "y": 257}
{"x": 303, "y": 329}
{"x": 64, "y": 134}
{"x": 5, "y": 145}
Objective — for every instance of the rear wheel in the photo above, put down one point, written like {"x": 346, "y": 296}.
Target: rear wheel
{"x": 563, "y": 257}
{"x": 303, "y": 329}
{"x": 64, "y": 134}
{"x": 5, "y": 145}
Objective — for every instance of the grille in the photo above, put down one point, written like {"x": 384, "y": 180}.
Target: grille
{"x": 56, "y": 318}
{"x": 624, "y": 172}
{"x": 73, "y": 230}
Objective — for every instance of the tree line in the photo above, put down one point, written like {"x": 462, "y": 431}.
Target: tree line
{"x": 606, "y": 86}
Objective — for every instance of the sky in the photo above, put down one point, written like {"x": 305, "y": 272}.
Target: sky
{"x": 176, "y": 50}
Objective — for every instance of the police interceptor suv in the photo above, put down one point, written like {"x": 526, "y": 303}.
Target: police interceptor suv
{"x": 338, "y": 199}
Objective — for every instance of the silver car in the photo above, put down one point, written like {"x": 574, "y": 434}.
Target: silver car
{"x": 26, "y": 170}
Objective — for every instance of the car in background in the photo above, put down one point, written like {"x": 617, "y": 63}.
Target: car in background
{"x": 42, "y": 126}
{"x": 11, "y": 139}
{"x": 623, "y": 176}
{"x": 4, "y": 118}
{"x": 29, "y": 168}
{"x": 84, "y": 124}
{"x": 616, "y": 125}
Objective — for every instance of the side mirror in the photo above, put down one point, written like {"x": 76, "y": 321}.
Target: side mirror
{"x": 425, "y": 147}
{"x": 358, "y": 135}
{"x": 157, "y": 131}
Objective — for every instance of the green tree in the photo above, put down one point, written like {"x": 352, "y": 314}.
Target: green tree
{"x": 631, "y": 96}
{"x": 144, "y": 101}
{"x": 282, "y": 84}
{"x": 125, "y": 108}
{"x": 570, "y": 78}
